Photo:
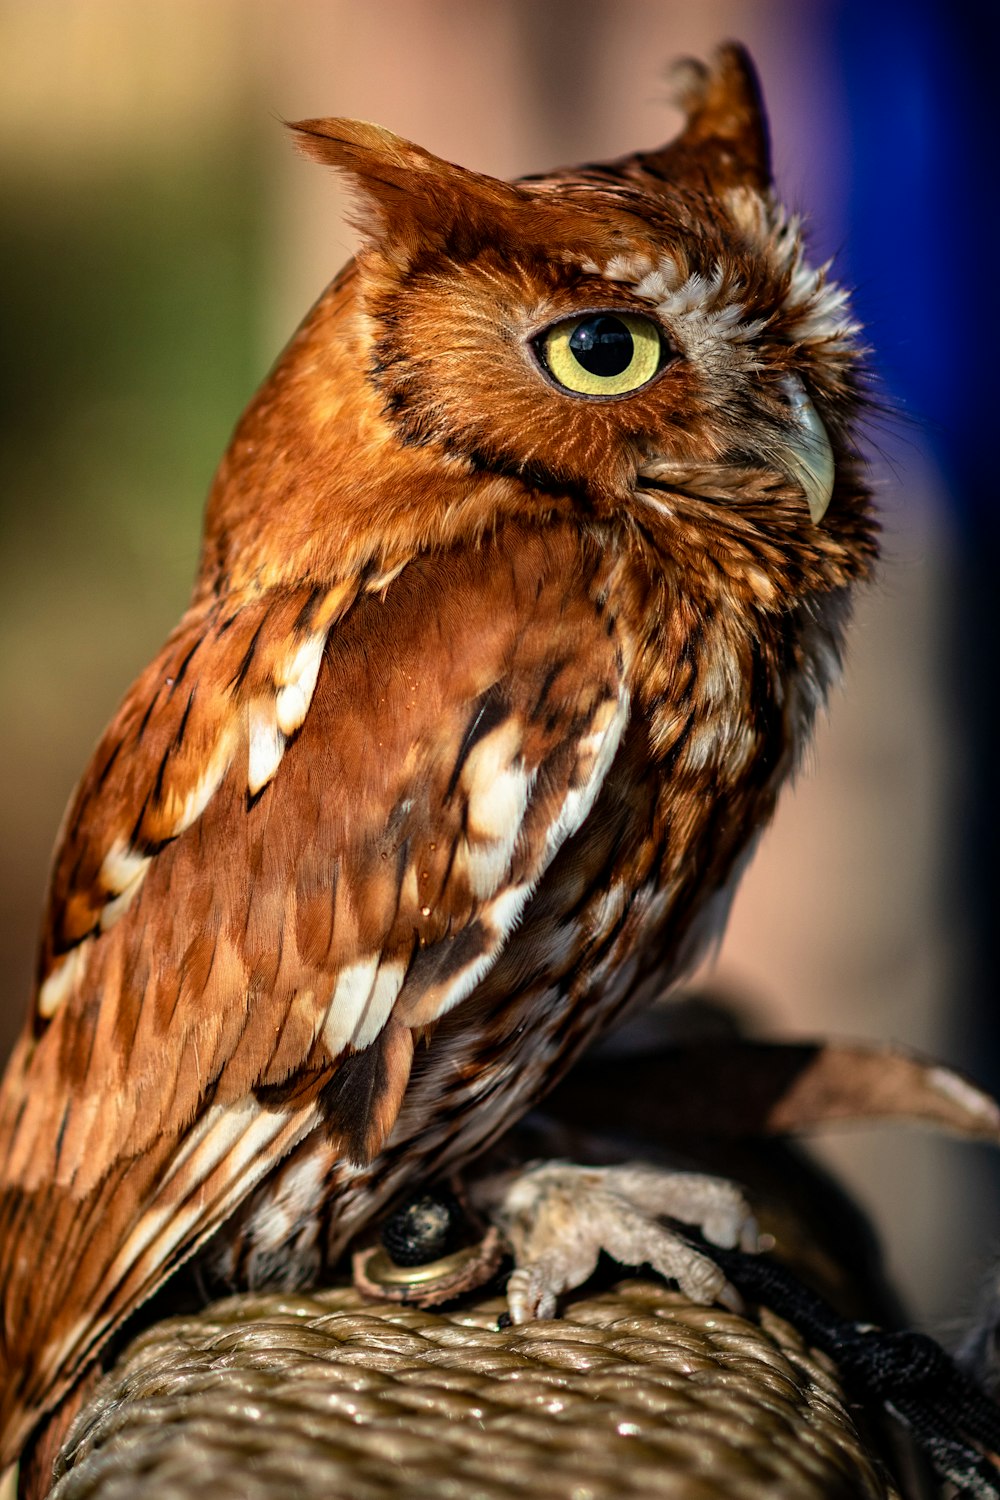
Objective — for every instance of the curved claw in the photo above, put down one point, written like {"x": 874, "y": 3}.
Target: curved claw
{"x": 807, "y": 457}
{"x": 558, "y": 1217}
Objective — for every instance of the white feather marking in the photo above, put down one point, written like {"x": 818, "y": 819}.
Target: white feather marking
{"x": 439, "y": 1000}
{"x": 240, "y": 1136}
{"x": 179, "y": 809}
{"x": 749, "y": 212}
{"x": 388, "y": 983}
{"x": 122, "y": 872}
{"x": 604, "y": 914}
{"x": 153, "y": 1221}
{"x": 228, "y": 1131}
{"x": 704, "y": 313}
{"x": 498, "y": 790}
{"x": 652, "y": 903}
{"x": 486, "y": 764}
{"x": 501, "y": 915}
{"x": 296, "y": 682}
{"x": 627, "y": 268}
{"x": 389, "y": 575}
{"x": 703, "y": 745}
{"x": 760, "y": 583}
{"x": 112, "y": 910}
{"x": 204, "y": 789}
{"x": 497, "y": 801}
{"x": 347, "y": 1004}
{"x": 267, "y": 745}
{"x": 484, "y": 866}
{"x": 62, "y": 980}
{"x": 725, "y": 740}
{"x": 253, "y": 1132}
{"x": 202, "y": 1126}
{"x": 504, "y": 912}
{"x": 121, "y": 867}
{"x": 718, "y": 680}
{"x": 596, "y": 752}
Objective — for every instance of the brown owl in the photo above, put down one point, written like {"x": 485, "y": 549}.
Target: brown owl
{"x": 523, "y": 578}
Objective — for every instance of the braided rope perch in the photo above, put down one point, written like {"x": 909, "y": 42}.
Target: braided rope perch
{"x": 635, "y": 1392}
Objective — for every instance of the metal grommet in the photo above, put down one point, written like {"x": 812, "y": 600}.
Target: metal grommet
{"x": 384, "y": 1271}
{"x": 378, "y": 1276}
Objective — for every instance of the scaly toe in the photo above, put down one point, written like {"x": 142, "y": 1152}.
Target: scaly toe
{"x": 558, "y": 1218}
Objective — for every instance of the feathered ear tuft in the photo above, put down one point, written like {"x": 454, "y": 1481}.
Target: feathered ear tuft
{"x": 725, "y": 138}
{"x": 408, "y": 198}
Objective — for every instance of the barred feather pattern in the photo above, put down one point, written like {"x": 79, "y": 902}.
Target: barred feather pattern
{"x": 486, "y": 688}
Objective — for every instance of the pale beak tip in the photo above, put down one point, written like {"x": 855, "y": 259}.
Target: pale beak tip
{"x": 818, "y": 501}
{"x": 809, "y": 456}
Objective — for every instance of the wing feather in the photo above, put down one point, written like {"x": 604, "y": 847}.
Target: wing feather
{"x": 291, "y": 918}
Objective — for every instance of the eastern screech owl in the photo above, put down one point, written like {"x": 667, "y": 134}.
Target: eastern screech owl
{"x": 522, "y": 580}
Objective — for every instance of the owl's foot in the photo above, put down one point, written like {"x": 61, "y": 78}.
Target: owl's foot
{"x": 557, "y": 1218}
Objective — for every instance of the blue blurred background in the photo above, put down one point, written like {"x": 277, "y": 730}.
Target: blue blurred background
{"x": 158, "y": 242}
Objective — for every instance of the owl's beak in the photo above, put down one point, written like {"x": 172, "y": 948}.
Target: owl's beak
{"x": 800, "y": 450}
{"x": 806, "y": 457}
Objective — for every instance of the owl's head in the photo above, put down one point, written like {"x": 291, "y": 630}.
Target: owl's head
{"x": 642, "y": 338}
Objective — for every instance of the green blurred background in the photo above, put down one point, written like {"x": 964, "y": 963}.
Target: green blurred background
{"x": 134, "y": 207}
{"x": 158, "y": 241}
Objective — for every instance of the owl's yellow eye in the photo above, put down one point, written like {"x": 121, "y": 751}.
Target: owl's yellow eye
{"x": 602, "y": 354}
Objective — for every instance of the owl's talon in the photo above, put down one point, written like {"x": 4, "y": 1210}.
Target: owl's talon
{"x": 557, "y": 1219}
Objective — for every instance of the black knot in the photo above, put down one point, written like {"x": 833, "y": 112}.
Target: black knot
{"x": 424, "y": 1229}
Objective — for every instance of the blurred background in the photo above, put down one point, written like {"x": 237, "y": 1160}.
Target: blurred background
{"x": 159, "y": 240}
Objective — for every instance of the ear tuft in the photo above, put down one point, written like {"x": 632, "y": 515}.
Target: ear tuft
{"x": 726, "y": 136}
{"x": 409, "y": 198}
{"x": 360, "y": 147}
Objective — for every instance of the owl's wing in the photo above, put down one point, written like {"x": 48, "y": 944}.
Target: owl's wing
{"x": 308, "y": 834}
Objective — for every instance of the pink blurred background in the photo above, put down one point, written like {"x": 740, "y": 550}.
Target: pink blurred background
{"x": 161, "y": 240}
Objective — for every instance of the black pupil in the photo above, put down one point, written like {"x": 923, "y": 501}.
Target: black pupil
{"x": 603, "y": 346}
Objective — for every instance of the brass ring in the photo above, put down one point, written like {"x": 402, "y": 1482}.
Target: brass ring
{"x": 384, "y": 1271}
